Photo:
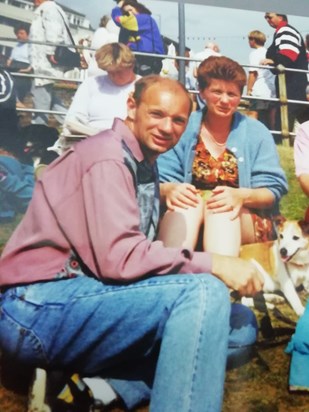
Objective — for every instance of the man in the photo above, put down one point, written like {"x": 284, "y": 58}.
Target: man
{"x": 261, "y": 82}
{"x": 47, "y": 27}
{"x": 19, "y": 62}
{"x": 288, "y": 49}
{"x": 97, "y": 294}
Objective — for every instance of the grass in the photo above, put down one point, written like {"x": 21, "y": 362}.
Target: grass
{"x": 261, "y": 384}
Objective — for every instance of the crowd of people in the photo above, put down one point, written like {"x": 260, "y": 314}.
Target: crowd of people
{"x": 118, "y": 253}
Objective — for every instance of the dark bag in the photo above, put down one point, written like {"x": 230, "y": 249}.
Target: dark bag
{"x": 63, "y": 55}
{"x": 66, "y": 57}
{"x": 146, "y": 65}
{"x": 16, "y": 65}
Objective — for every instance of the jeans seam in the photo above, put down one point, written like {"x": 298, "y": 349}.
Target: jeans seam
{"x": 203, "y": 294}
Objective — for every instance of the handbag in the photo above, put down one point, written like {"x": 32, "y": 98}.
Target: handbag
{"x": 64, "y": 55}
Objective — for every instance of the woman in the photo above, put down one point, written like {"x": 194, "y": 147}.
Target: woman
{"x": 100, "y": 99}
{"x": 224, "y": 174}
{"x": 144, "y": 34}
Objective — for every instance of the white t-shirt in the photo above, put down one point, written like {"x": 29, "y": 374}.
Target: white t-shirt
{"x": 98, "y": 101}
{"x": 264, "y": 85}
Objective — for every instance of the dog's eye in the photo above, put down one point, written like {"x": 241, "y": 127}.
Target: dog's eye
{"x": 281, "y": 236}
{"x": 295, "y": 237}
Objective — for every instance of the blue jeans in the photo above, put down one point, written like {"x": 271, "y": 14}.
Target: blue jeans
{"x": 167, "y": 333}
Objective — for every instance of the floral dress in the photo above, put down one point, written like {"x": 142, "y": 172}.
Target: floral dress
{"x": 209, "y": 172}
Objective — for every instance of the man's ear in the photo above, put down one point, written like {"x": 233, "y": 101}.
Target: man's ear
{"x": 131, "y": 107}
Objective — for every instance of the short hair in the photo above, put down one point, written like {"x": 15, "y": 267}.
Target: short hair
{"x": 284, "y": 16}
{"x": 221, "y": 68}
{"x": 22, "y": 26}
{"x": 143, "y": 84}
{"x": 258, "y": 37}
{"x": 104, "y": 20}
{"x": 114, "y": 56}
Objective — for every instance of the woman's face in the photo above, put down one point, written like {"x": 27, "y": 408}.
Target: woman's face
{"x": 222, "y": 97}
{"x": 130, "y": 9}
{"x": 121, "y": 76}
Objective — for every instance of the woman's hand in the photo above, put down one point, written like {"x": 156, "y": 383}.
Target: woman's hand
{"x": 230, "y": 199}
{"x": 226, "y": 199}
{"x": 183, "y": 195}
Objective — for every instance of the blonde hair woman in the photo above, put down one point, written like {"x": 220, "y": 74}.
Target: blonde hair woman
{"x": 100, "y": 99}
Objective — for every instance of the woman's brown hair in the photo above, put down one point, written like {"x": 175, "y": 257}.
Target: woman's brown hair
{"x": 221, "y": 68}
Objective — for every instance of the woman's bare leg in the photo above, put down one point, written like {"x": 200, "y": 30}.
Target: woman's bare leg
{"x": 247, "y": 227}
{"x": 221, "y": 234}
{"x": 180, "y": 227}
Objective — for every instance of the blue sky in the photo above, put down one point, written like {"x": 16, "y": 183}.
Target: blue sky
{"x": 228, "y": 27}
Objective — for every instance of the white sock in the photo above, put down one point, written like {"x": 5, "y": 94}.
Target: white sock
{"x": 101, "y": 389}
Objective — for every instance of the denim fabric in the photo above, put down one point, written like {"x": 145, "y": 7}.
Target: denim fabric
{"x": 168, "y": 333}
{"x": 298, "y": 347}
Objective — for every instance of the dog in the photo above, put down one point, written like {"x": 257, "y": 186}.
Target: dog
{"x": 287, "y": 263}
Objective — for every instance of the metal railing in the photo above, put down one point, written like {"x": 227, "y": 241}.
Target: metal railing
{"x": 282, "y": 100}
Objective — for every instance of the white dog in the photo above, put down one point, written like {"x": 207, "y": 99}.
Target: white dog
{"x": 289, "y": 257}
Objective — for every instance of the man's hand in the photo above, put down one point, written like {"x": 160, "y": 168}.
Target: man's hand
{"x": 238, "y": 274}
{"x": 266, "y": 62}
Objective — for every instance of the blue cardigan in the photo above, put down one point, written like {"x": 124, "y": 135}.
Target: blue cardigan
{"x": 249, "y": 140}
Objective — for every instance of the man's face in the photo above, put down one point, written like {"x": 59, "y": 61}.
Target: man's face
{"x": 160, "y": 118}
{"x": 273, "y": 19}
{"x": 22, "y": 35}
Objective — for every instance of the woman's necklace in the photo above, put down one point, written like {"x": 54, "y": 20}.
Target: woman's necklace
{"x": 206, "y": 134}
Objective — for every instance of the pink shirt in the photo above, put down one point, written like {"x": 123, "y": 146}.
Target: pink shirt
{"x": 301, "y": 149}
{"x": 86, "y": 202}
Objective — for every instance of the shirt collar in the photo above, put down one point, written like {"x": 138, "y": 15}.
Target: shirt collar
{"x": 281, "y": 24}
{"x": 120, "y": 128}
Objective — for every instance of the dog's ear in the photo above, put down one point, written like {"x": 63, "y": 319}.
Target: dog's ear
{"x": 304, "y": 226}
{"x": 278, "y": 220}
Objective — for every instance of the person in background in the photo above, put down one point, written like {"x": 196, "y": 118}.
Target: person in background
{"x": 81, "y": 272}
{"x": 261, "y": 82}
{"x": 16, "y": 169}
{"x": 298, "y": 347}
{"x": 211, "y": 49}
{"x": 19, "y": 62}
{"x": 100, "y": 99}
{"x": 124, "y": 34}
{"x": 144, "y": 34}
{"x": 307, "y": 52}
{"x": 48, "y": 27}
{"x": 215, "y": 177}
{"x": 288, "y": 49}
{"x": 107, "y": 32}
